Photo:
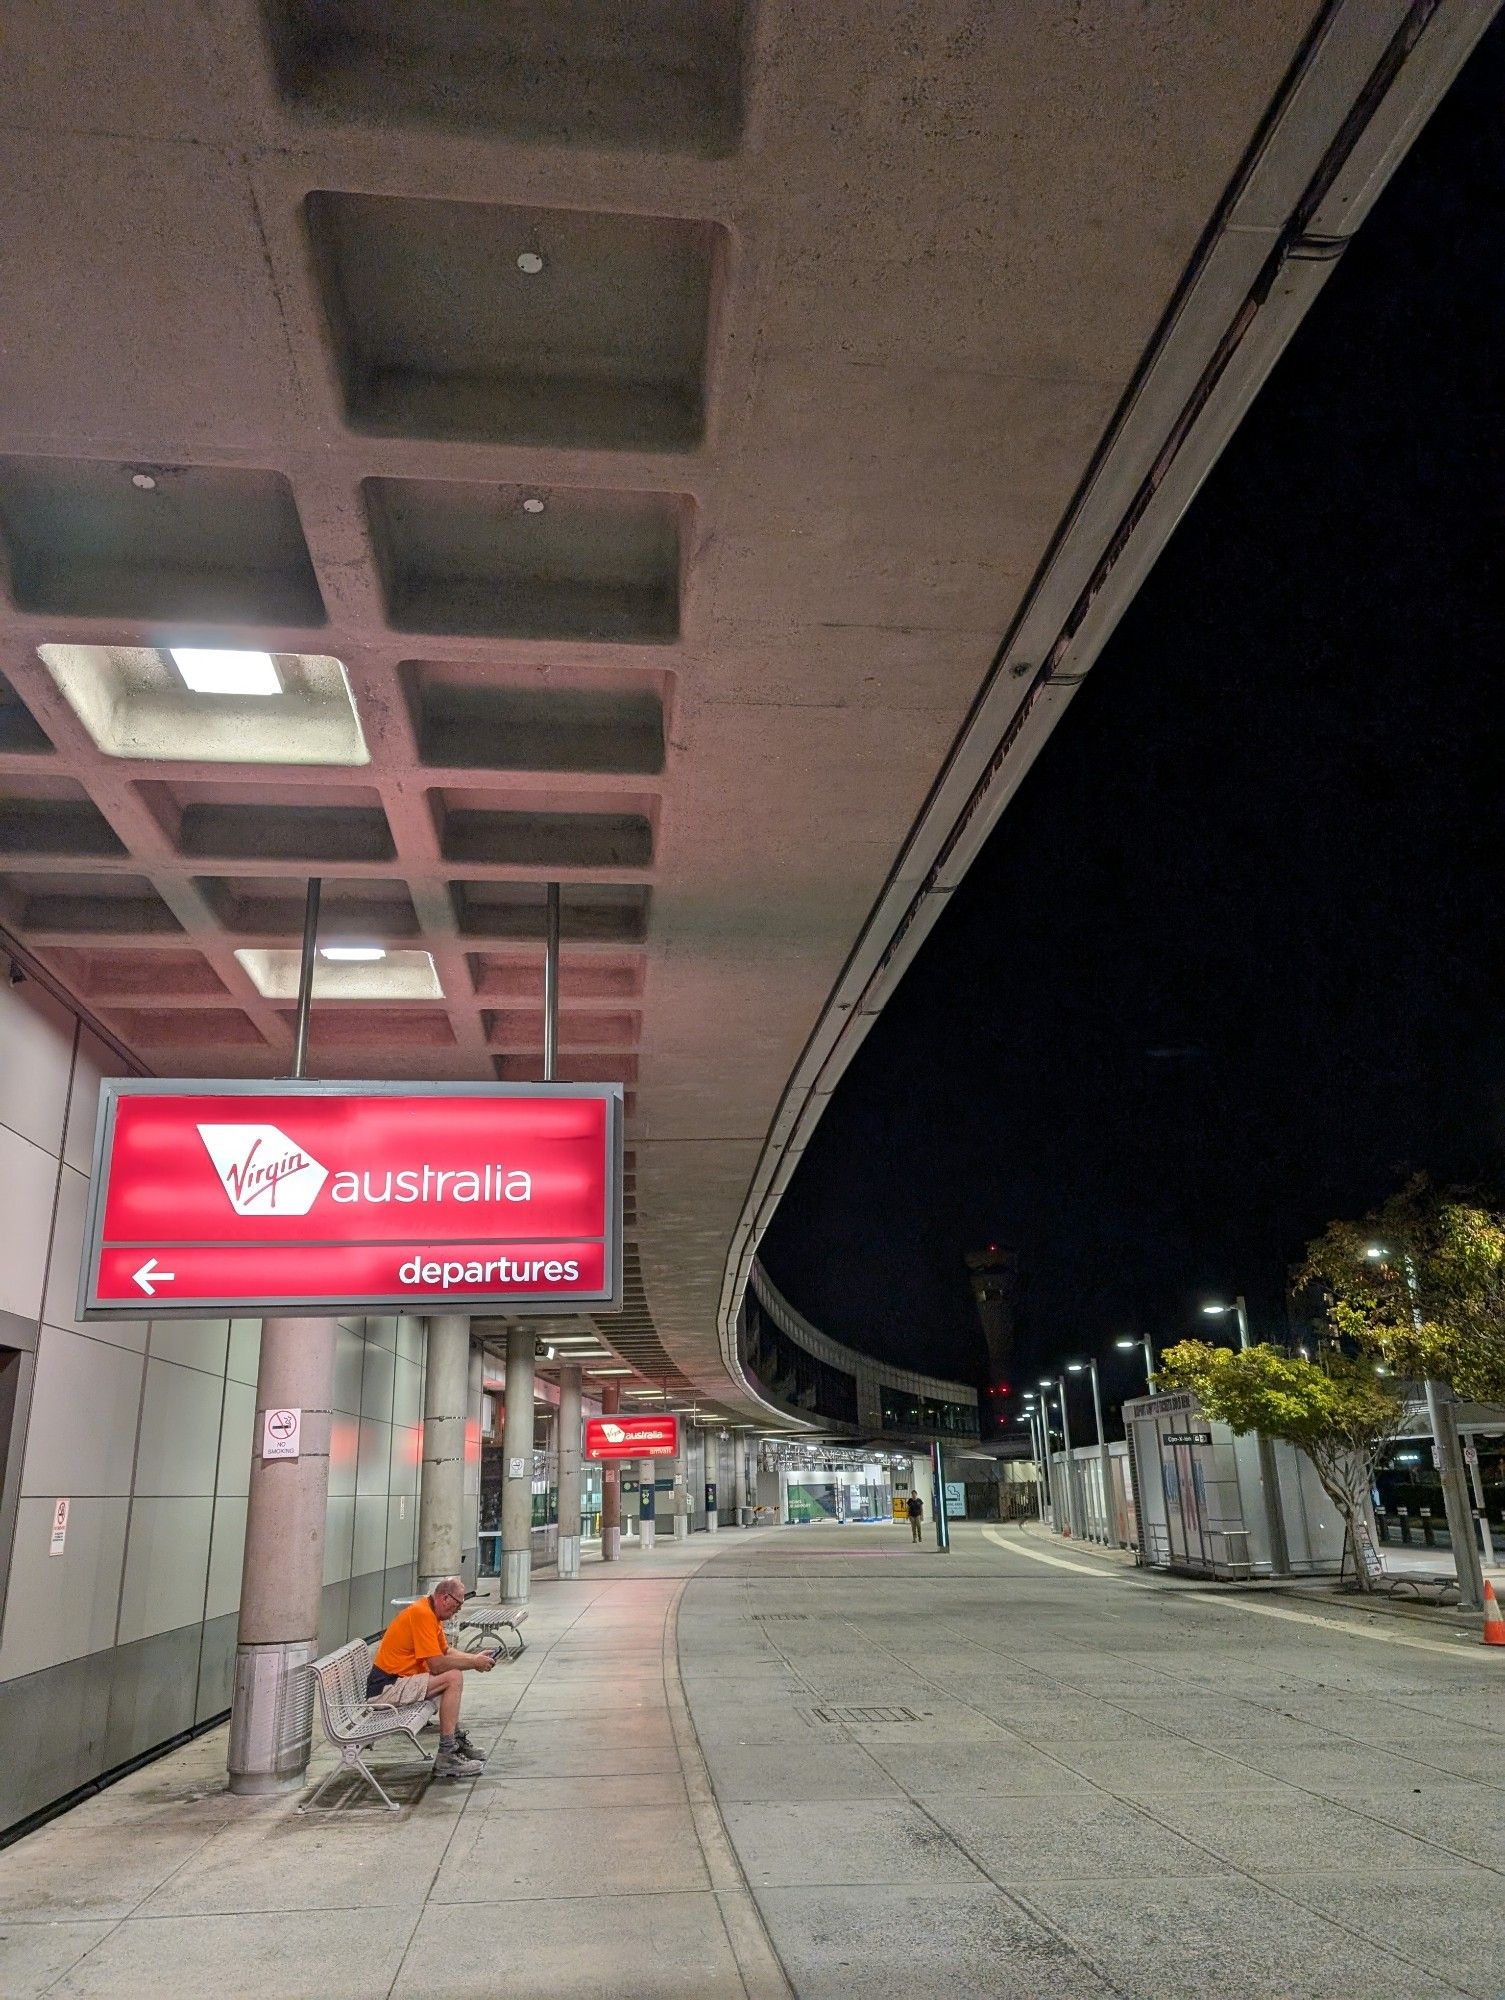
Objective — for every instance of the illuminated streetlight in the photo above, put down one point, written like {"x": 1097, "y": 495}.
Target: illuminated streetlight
{"x": 1237, "y": 1308}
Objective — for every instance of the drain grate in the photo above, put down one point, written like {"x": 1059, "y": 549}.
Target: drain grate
{"x": 880, "y": 1714}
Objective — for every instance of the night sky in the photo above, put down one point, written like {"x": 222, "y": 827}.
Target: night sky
{"x": 1232, "y": 962}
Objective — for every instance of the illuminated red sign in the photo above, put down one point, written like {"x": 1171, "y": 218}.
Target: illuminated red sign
{"x": 632, "y": 1437}
{"x": 233, "y": 1197}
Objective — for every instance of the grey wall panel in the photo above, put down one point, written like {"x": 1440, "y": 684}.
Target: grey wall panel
{"x": 237, "y": 1430}
{"x": 369, "y": 1610}
{"x": 245, "y": 1350}
{"x": 349, "y": 1364}
{"x": 344, "y": 1450}
{"x": 61, "y": 1607}
{"x": 178, "y": 1452}
{"x": 376, "y": 1384}
{"x": 153, "y": 1685}
{"x": 216, "y": 1667}
{"x": 407, "y": 1457}
{"x": 28, "y": 1179}
{"x": 400, "y": 1580}
{"x": 93, "y": 1060}
{"x": 227, "y": 1548}
{"x": 36, "y": 1062}
{"x": 334, "y": 1615}
{"x": 339, "y": 1537}
{"x": 166, "y": 1565}
{"x": 370, "y": 1544}
{"x": 192, "y": 1343}
{"x": 81, "y": 1436}
{"x": 53, "y": 1727}
{"x": 374, "y": 1460}
{"x": 407, "y": 1393}
{"x": 381, "y": 1331}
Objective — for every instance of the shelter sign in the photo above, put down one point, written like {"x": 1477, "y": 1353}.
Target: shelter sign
{"x": 311, "y": 1197}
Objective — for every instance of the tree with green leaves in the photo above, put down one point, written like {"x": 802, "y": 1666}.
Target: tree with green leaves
{"x": 1420, "y": 1283}
{"x": 1339, "y": 1412}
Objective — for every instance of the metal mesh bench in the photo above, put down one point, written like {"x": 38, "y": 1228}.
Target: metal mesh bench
{"x": 490, "y": 1621}
{"x": 354, "y": 1724}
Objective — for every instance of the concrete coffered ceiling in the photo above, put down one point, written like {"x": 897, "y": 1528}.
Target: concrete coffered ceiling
{"x": 639, "y": 434}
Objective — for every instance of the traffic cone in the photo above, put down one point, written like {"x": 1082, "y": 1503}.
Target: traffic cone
{"x": 1494, "y": 1622}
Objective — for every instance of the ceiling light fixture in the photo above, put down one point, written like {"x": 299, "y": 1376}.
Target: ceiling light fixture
{"x": 216, "y": 670}
{"x": 353, "y": 954}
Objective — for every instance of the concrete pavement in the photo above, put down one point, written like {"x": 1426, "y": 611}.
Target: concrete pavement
{"x": 824, "y": 1755}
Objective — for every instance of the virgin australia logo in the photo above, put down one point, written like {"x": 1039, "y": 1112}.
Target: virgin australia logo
{"x": 262, "y": 1171}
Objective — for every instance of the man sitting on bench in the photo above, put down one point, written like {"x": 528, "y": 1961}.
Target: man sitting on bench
{"x": 415, "y": 1662}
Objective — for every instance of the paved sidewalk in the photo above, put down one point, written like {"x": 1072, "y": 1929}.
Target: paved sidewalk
{"x": 1023, "y": 1772}
{"x": 1010, "y": 1773}
{"x": 589, "y": 1861}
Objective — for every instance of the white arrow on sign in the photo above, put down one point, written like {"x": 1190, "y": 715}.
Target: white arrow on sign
{"x": 151, "y": 1275}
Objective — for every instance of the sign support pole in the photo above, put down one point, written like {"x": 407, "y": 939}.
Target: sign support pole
{"x": 306, "y": 976}
{"x": 938, "y": 1484}
{"x": 551, "y": 984}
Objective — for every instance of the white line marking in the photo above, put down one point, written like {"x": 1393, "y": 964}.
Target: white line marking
{"x": 1340, "y": 1625}
{"x": 1383, "y": 1638}
{"x": 1056, "y": 1562}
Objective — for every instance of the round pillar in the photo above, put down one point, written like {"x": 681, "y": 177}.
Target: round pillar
{"x": 441, "y": 1494}
{"x": 282, "y": 1573}
{"x": 611, "y": 1484}
{"x": 517, "y": 1470}
{"x": 569, "y": 1472}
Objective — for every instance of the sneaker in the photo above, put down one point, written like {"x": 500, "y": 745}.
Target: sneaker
{"x": 450, "y": 1764}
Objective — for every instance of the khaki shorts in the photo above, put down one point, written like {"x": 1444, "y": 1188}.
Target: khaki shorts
{"x": 403, "y": 1693}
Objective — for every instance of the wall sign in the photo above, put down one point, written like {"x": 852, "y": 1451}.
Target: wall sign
{"x": 302, "y": 1197}
{"x": 281, "y": 1433}
{"x": 632, "y": 1437}
{"x": 59, "y": 1534}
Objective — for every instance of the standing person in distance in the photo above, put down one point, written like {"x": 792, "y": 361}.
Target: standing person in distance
{"x": 916, "y": 1512}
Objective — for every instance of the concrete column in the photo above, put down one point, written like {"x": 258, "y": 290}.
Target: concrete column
{"x": 470, "y": 1520}
{"x": 569, "y": 1472}
{"x": 681, "y": 1495}
{"x": 282, "y": 1575}
{"x": 747, "y": 1478}
{"x": 712, "y": 1478}
{"x": 441, "y": 1494}
{"x": 647, "y": 1526}
{"x": 517, "y": 1484}
{"x": 611, "y": 1484}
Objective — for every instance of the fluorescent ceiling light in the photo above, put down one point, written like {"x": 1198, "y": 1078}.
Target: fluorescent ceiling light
{"x": 352, "y": 954}
{"x": 213, "y": 670}
{"x": 608, "y": 1371}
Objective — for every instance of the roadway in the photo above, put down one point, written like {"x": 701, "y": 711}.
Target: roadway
{"x": 823, "y": 1761}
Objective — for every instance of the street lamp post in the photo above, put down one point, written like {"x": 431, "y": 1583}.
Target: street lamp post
{"x": 1073, "y": 1500}
{"x": 1103, "y": 1454}
{"x": 1131, "y": 1341}
{"x": 1028, "y": 1417}
{"x": 1241, "y": 1313}
{"x": 1445, "y": 1450}
{"x": 1041, "y": 1442}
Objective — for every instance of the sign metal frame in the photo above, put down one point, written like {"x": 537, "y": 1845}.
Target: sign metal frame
{"x": 419, "y": 1299}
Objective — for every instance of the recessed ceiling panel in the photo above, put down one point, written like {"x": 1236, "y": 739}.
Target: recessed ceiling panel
{"x": 525, "y": 562}
{"x": 397, "y": 976}
{"x": 660, "y": 74}
{"x": 587, "y": 912}
{"x": 364, "y": 912}
{"x": 559, "y": 840}
{"x": 52, "y": 816}
{"x": 456, "y": 319}
{"x": 211, "y": 543}
{"x": 508, "y": 718}
{"x": 134, "y": 703}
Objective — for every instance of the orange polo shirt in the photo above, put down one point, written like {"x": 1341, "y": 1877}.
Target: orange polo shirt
{"x": 414, "y": 1637}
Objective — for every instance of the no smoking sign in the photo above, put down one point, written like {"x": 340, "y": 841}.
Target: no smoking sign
{"x": 280, "y": 1432}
